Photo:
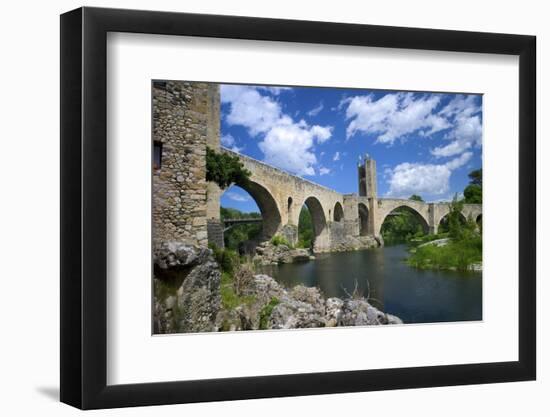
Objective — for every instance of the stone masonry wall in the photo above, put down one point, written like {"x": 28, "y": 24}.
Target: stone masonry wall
{"x": 180, "y": 124}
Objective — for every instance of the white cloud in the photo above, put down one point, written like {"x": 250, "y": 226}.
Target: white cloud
{"x": 285, "y": 143}
{"x": 393, "y": 116}
{"x": 273, "y": 90}
{"x": 237, "y": 197}
{"x": 227, "y": 140}
{"x": 467, "y": 130}
{"x": 396, "y": 115}
{"x": 316, "y": 110}
{"x": 336, "y": 156}
{"x": 324, "y": 171}
{"x": 429, "y": 179}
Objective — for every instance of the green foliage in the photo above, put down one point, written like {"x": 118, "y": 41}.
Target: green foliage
{"x": 241, "y": 232}
{"x": 476, "y": 177}
{"x": 305, "y": 229}
{"x": 455, "y": 255}
{"x": 265, "y": 312}
{"x": 401, "y": 227}
{"x": 280, "y": 240}
{"x": 230, "y": 298}
{"x": 473, "y": 193}
{"x": 227, "y": 259}
{"x": 225, "y": 169}
{"x": 415, "y": 197}
{"x": 464, "y": 248}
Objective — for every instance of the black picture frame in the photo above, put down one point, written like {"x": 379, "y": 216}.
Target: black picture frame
{"x": 84, "y": 207}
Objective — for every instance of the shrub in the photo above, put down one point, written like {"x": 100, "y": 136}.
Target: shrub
{"x": 227, "y": 259}
{"x": 225, "y": 169}
{"x": 280, "y": 240}
{"x": 265, "y": 312}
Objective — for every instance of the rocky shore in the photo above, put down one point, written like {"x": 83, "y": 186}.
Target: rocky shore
{"x": 188, "y": 286}
{"x": 267, "y": 253}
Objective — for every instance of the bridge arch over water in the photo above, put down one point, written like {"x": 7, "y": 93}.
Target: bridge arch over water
{"x": 280, "y": 197}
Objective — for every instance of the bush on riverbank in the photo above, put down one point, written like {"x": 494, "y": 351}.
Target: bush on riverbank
{"x": 463, "y": 249}
{"x": 459, "y": 255}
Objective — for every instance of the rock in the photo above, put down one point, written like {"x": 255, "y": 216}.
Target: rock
{"x": 477, "y": 267}
{"x": 309, "y": 295}
{"x": 187, "y": 289}
{"x": 358, "y": 312}
{"x": 269, "y": 254}
{"x": 333, "y": 311}
{"x": 393, "y": 319}
{"x": 294, "y": 314}
{"x": 199, "y": 301}
{"x": 176, "y": 254}
{"x": 437, "y": 242}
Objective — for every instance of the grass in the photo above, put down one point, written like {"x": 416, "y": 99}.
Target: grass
{"x": 279, "y": 240}
{"x": 457, "y": 255}
{"x": 230, "y": 299}
{"x": 265, "y": 312}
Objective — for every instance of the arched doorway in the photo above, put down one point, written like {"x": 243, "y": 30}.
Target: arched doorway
{"x": 402, "y": 224}
{"x": 363, "y": 219}
{"x": 444, "y": 223}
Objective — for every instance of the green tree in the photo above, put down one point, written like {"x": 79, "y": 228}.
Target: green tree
{"x": 476, "y": 177}
{"x": 401, "y": 226}
{"x": 415, "y": 197}
{"x": 474, "y": 191}
{"x": 241, "y": 232}
{"x": 225, "y": 169}
{"x": 473, "y": 194}
{"x": 305, "y": 229}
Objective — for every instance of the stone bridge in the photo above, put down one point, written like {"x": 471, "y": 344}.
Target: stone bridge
{"x": 335, "y": 216}
{"x": 186, "y": 208}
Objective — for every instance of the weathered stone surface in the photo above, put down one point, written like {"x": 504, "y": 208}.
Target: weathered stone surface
{"x": 185, "y": 117}
{"x": 175, "y": 254}
{"x": 268, "y": 254}
{"x": 334, "y": 311}
{"x": 187, "y": 289}
{"x": 299, "y": 307}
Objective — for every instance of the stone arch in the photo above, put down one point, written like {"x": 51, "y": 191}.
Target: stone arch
{"x": 319, "y": 222}
{"x": 422, "y": 220}
{"x": 443, "y": 219}
{"x": 338, "y": 212}
{"x": 479, "y": 222}
{"x": 363, "y": 213}
{"x": 271, "y": 215}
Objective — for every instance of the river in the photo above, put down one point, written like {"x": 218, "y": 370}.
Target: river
{"x": 416, "y": 296}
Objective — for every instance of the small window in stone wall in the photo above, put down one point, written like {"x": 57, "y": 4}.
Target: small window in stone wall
{"x": 159, "y": 84}
{"x": 157, "y": 155}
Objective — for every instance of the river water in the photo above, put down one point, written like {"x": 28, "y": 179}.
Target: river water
{"x": 416, "y": 296}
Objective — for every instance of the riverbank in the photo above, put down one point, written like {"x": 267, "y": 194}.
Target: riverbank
{"x": 195, "y": 292}
{"x": 279, "y": 251}
{"x": 442, "y": 252}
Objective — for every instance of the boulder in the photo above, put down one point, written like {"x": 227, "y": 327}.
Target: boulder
{"x": 333, "y": 311}
{"x": 187, "y": 289}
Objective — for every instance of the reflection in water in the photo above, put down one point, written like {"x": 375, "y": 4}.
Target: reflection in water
{"x": 416, "y": 296}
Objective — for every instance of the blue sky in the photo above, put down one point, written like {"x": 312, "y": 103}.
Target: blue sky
{"x": 423, "y": 143}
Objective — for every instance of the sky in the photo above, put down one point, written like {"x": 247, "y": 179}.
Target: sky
{"x": 423, "y": 143}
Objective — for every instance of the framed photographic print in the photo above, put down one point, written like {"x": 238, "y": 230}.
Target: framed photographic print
{"x": 258, "y": 208}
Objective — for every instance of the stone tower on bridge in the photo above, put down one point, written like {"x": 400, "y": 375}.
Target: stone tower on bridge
{"x": 186, "y": 208}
